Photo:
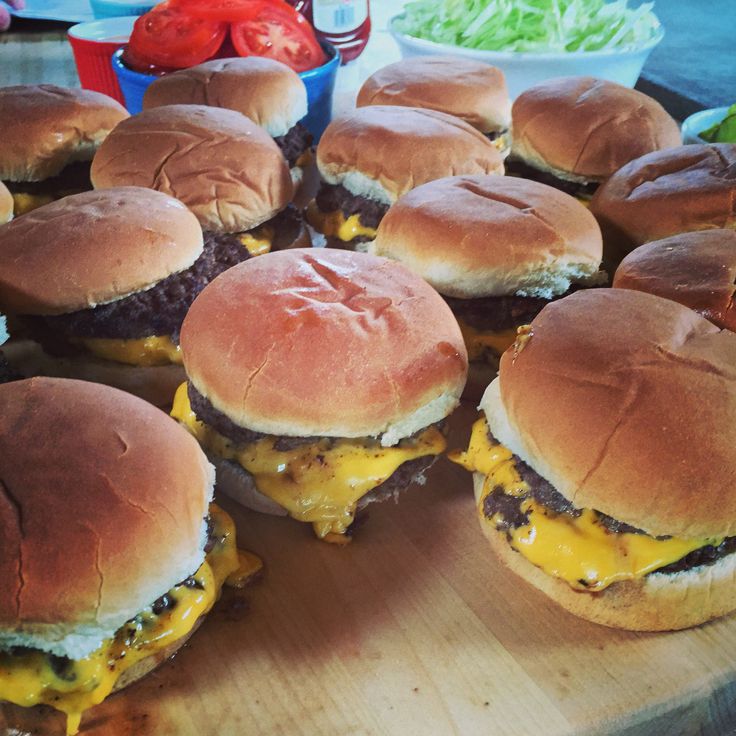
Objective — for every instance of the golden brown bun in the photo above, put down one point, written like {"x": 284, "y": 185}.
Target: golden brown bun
{"x": 382, "y": 151}
{"x": 155, "y": 384}
{"x": 352, "y": 345}
{"x": 657, "y": 602}
{"x": 102, "y": 506}
{"x": 268, "y": 92}
{"x": 468, "y": 89}
{"x": 478, "y": 236}
{"x": 93, "y": 248}
{"x": 43, "y": 128}
{"x": 626, "y": 403}
{"x": 224, "y": 167}
{"x": 696, "y": 269}
{"x": 665, "y": 193}
{"x": 583, "y": 128}
{"x": 6, "y": 204}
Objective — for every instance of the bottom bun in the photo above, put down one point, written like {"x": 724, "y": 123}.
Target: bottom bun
{"x": 657, "y": 602}
{"x": 155, "y": 384}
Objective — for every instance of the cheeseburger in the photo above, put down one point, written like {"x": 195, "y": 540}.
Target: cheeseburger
{"x": 467, "y": 89}
{"x": 221, "y": 165}
{"x": 604, "y": 463}
{"x": 574, "y": 132}
{"x": 696, "y": 269}
{"x": 48, "y": 136}
{"x": 371, "y": 156}
{"x": 336, "y": 399}
{"x": 110, "y": 550}
{"x": 97, "y": 285}
{"x": 666, "y": 193}
{"x": 270, "y": 93}
{"x": 498, "y": 249}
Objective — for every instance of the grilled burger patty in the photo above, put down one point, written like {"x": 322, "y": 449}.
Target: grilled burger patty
{"x": 294, "y": 143}
{"x": 517, "y": 167}
{"x": 75, "y": 177}
{"x": 512, "y": 517}
{"x": 7, "y": 374}
{"x": 332, "y": 197}
{"x": 497, "y": 313}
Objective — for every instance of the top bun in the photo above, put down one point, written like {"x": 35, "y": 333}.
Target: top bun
{"x": 316, "y": 342}
{"x": 224, "y": 167}
{"x": 695, "y": 269}
{"x": 93, "y": 248}
{"x": 584, "y": 129}
{"x": 268, "y": 92}
{"x": 665, "y": 193}
{"x": 381, "y": 151}
{"x": 626, "y": 403}
{"x": 468, "y": 89}
{"x": 43, "y": 128}
{"x": 6, "y": 204}
{"x": 478, "y": 236}
{"x": 102, "y": 505}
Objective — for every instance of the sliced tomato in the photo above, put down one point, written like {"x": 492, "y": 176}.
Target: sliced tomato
{"x": 277, "y": 31}
{"x": 220, "y": 10}
{"x": 167, "y": 36}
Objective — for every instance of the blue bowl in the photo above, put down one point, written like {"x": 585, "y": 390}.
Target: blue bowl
{"x": 118, "y": 8}
{"x": 320, "y": 84}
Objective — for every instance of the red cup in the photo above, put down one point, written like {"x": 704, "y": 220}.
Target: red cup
{"x": 93, "y": 45}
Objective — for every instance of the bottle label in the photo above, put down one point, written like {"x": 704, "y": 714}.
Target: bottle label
{"x": 339, "y": 16}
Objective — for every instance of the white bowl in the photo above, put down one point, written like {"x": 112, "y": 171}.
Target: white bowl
{"x": 694, "y": 125}
{"x": 524, "y": 69}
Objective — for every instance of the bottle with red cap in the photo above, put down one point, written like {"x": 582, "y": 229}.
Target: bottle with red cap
{"x": 344, "y": 23}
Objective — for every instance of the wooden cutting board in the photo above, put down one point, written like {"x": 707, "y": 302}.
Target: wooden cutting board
{"x": 413, "y": 629}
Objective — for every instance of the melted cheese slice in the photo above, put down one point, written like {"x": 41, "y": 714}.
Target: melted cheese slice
{"x": 73, "y": 686}
{"x": 23, "y": 202}
{"x": 335, "y": 224}
{"x": 478, "y": 342}
{"x": 258, "y": 241}
{"x": 319, "y": 482}
{"x": 579, "y": 550}
{"x": 146, "y": 351}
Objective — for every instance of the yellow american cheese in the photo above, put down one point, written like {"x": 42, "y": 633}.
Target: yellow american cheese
{"x": 478, "y": 341}
{"x": 319, "y": 482}
{"x": 579, "y": 550}
{"x": 23, "y": 202}
{"x": 258, "y": 241}
{"x": 146, "y": 351}
{"x": 28, "y": 679}
{"x": 335, "y": 224}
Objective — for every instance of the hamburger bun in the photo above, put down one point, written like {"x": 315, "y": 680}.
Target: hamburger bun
{"x": 480, "y": 236}
{"x": 402, "y": 361}
{"x": 664, "y": 193}
{"x": 43, "y": 128}
{"x": 126, "y": 521}
{"x": 94, "y": 248}
{"x": 584, "y": 129}
{"x": 6, "y": 204}
{"x": 221, "y": 165}
{"x": 381, "y": 151}
{"x": 467, "y": 89}
{"x": 268, "y": 92}
{"x": 696, "y": 269}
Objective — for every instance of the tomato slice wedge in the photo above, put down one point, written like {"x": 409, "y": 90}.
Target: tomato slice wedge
{"x": 275, "y": 30}
{"x": 168, "y": 36}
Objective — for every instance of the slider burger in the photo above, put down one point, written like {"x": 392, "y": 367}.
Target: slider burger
{"x": 664, "y": 193}
{"x": 498, "y": 249}
{"x": 6, "y": 204}
{"x": 48, "y": 136}
{"x": 371, "y": 156}
{"x": 574, "y": 132}
{"x": 696, "y": 269}
{"x": 97, "y": 285}
{"x": 110, "y": 550}
{"x": 270, "y": 93}
{"x": 467, "y": 89}
{"x": 604, "y": 461}
{"x": 336, "y": 399}
{"x": 221, "y": 165}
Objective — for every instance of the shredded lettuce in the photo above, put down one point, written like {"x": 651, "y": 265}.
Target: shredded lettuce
{"x": 530, "y": 25}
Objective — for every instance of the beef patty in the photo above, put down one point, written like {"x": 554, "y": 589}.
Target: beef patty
{"x": 517, "y": 167}
{"x": 497, "y": 313}
{"x": 294, "y": 143}
{"x": 74, "y": 177}
{"x": 7, "y": 374}
{"x": 332, "y": 197}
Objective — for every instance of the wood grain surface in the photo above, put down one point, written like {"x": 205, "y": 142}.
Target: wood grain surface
{"x": 413, "y": 629}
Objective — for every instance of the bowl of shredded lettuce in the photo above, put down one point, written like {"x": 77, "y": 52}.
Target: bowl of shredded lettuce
{"x": 534, "y": 40}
